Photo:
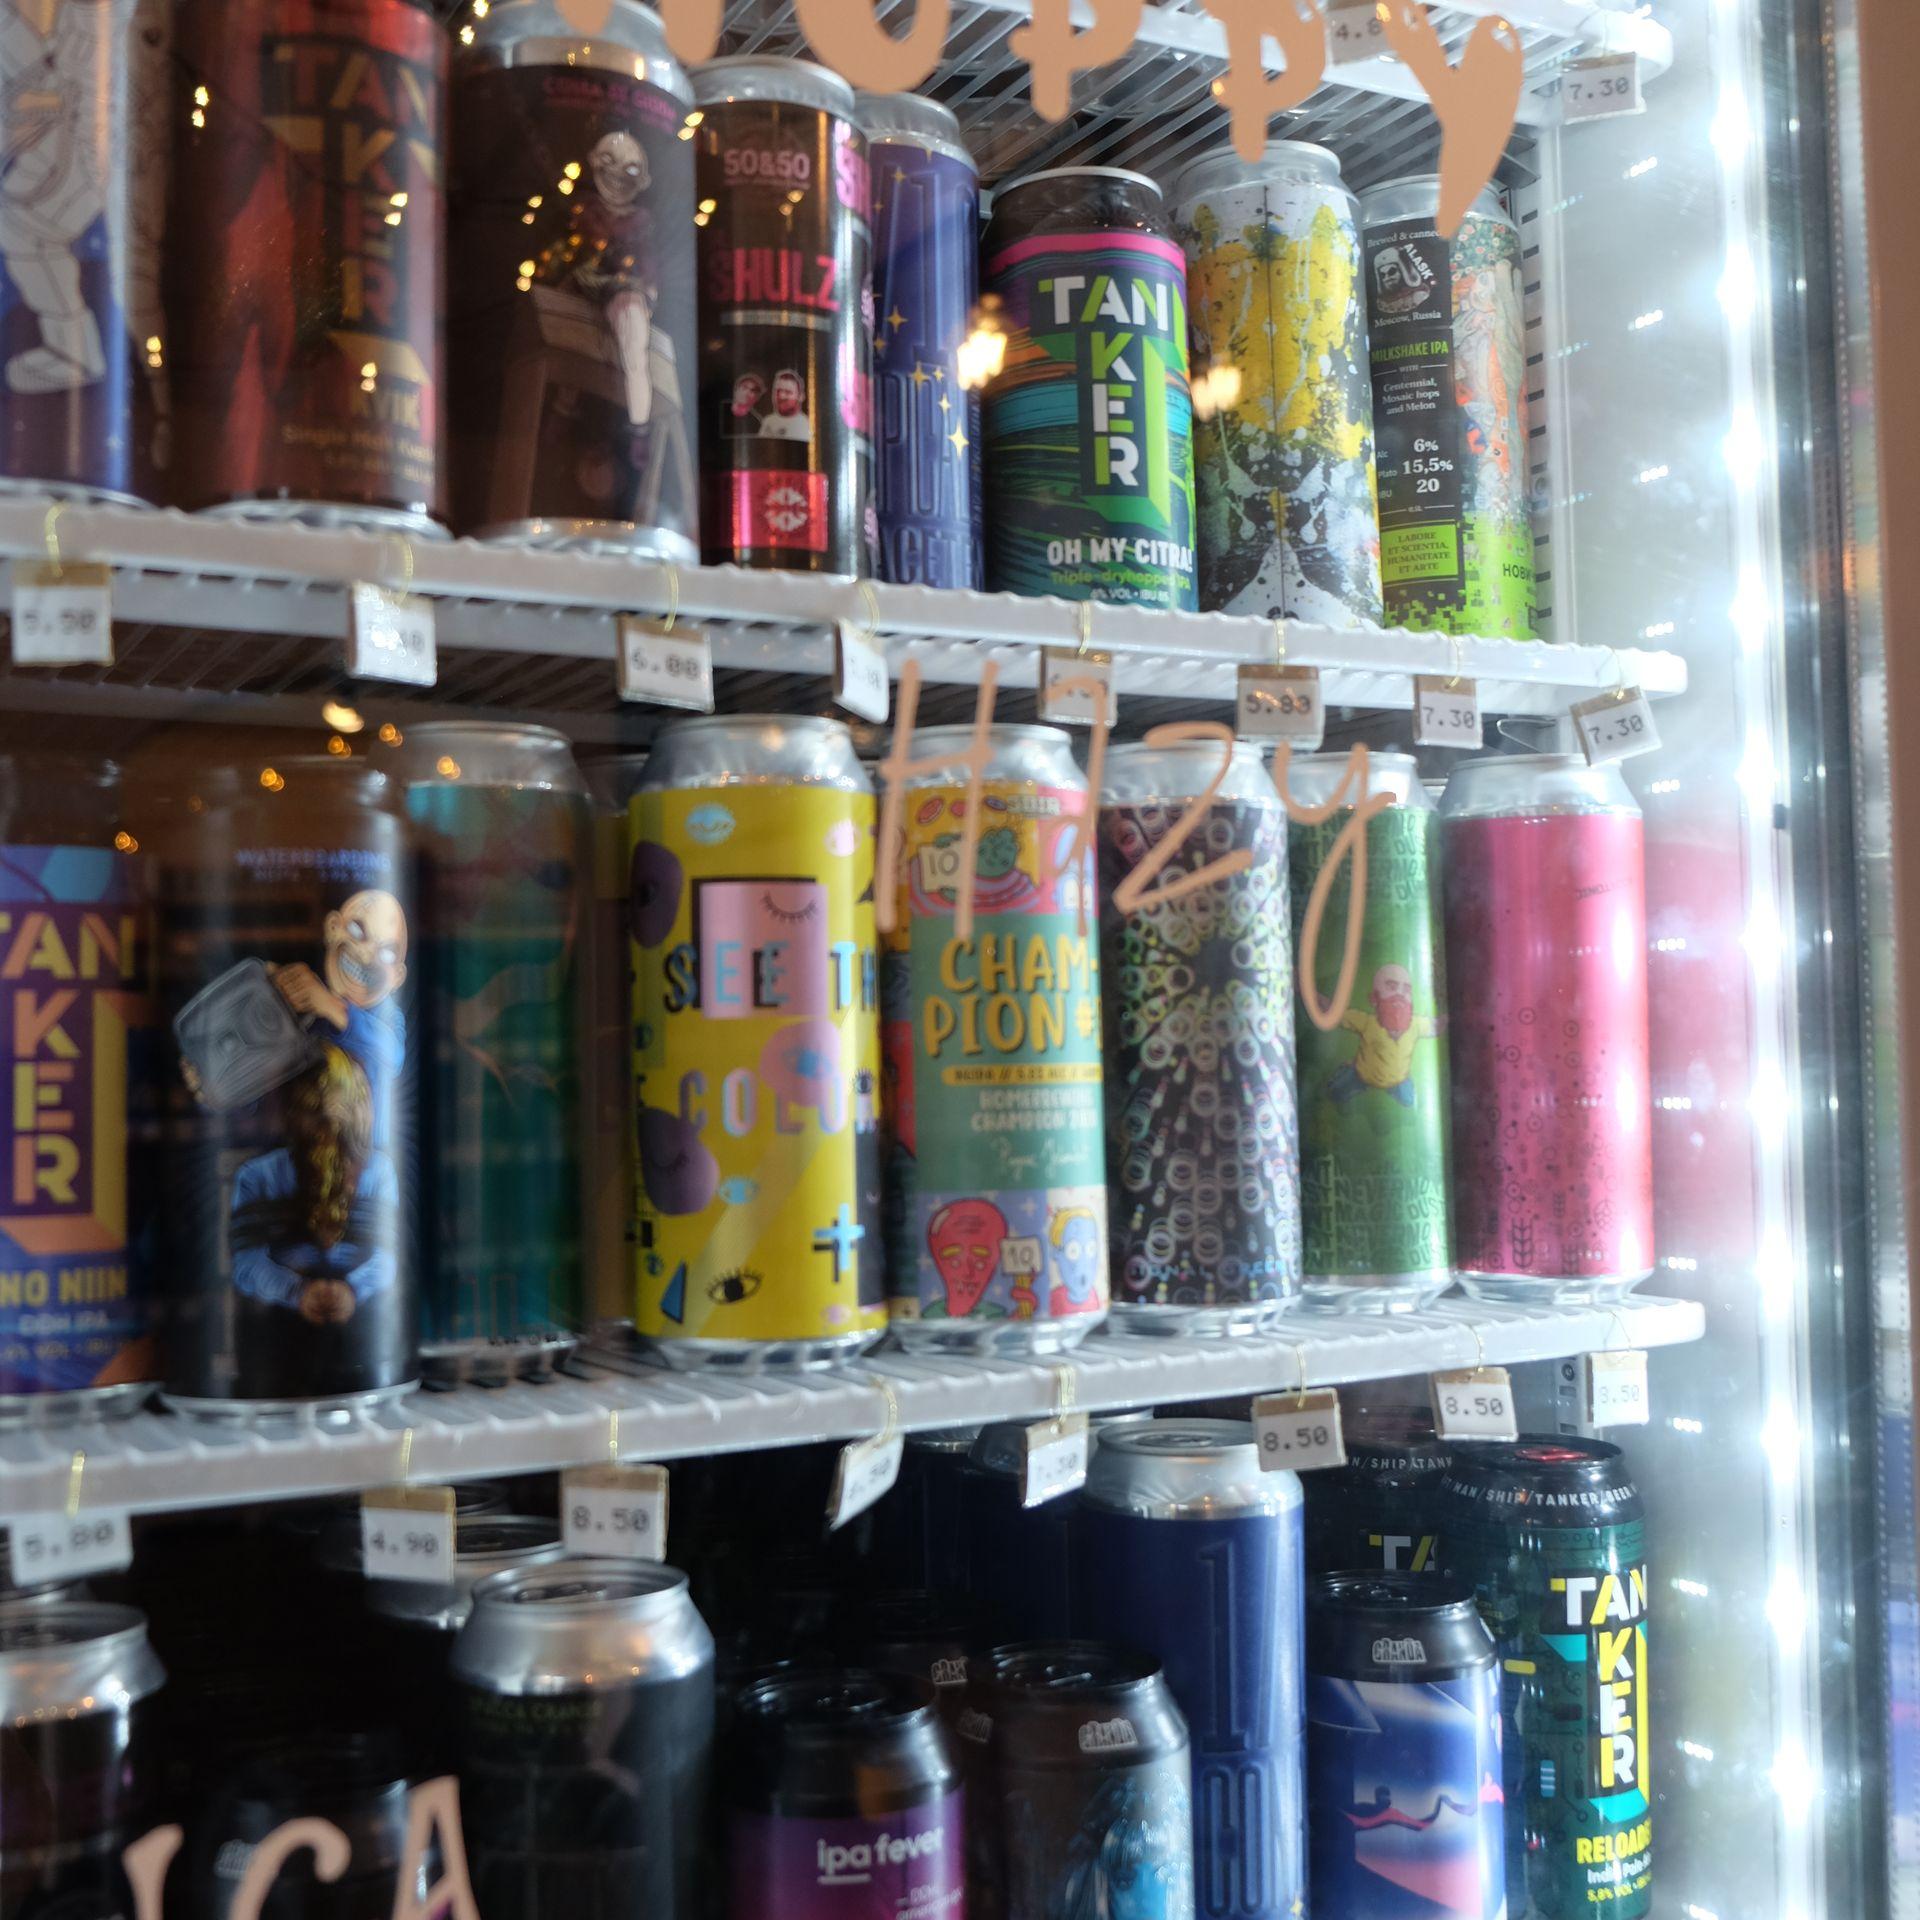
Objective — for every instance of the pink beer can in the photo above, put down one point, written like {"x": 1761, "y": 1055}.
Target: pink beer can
{"x": 1546, "y": 929}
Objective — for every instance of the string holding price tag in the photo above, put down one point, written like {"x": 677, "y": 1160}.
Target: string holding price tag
{"x": 1299, "y": 1431}
{"x": 1615, "y": 726}
{"x": 1356, "y": 30}
{"x": 68, "y": 1546}
{"x": 615, "y": 1511}
{"x": 1474, "y": 1403}
{"x": 407, "y": 1533}
{"x": 867, "y": 1469}
{"x": 390, "y": 636}
{"x": 1076, "y": 687}
{"x": 1601, "y": 87}
{"x": 665, "y": 665}
{"x": 1053, "y": 1458}
{"x": 62, "y": 613}
{"x": 1280, "y": 703}
{"x": 1446, "y": 712}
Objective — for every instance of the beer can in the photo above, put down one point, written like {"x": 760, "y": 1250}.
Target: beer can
{"x": 584, "y": 1703}
{"x": 1552, "y": 1075}
{"x": 572, "y": 320}
{"x": 1550, "y": 1532}
{"x": 1373, "y": 1091}
{"x": 1403, "y": 1750}
{"x": 1283, "y": 391}
{"x": 917, "y": 1537}
{"x": 925, "y": 1635}
{"x": 926, "y": 279}
{"x": 1174, "y": 1509}
{"x": 502, "y": 823}
{"x": 1448, "y": 342}
{"x": 286, "y": 917}
{"x": 1203, "y": 1139}
{"x": 1019, "y": 1560}
{"x": 756, "y": 1045}
{"x": 83, "y": 114}
{"x": 483, "y": 1544}
{"x": 786, "y": 318}
{"x": 997, "y": 1193}
{"x": 1089, "y": 421}
{"x": 1380, "y": 1512}
{"x": 305, "y": 254}
{"x": 844, "y": 1800}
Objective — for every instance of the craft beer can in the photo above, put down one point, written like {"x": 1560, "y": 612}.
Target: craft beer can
{"x": 992, "y": 1047}
{"x": 1089, "y": 421}
{"x": 1283, "y": 394}
{"x": 756, "y": 1045}
{"x": 1373, "y": 1090}
{"x": 1203, "y": 1159}
{"x": 1018, "y": 1559}
{"x": 1380, "y": 1512}
{"x": 1447, "y": 336}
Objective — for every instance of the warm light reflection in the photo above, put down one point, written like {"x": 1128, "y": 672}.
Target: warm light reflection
{"x": 341, "y": 717}
{"x": 271, "y": 780}
{"x": 982, "y": 354}
{"x": 390, "y": 735}
{"x": 124, "y": 842}
{"x": 337, "y": 746}
{"x": 1215, "y": 391}
{"x": 447, "y": 767}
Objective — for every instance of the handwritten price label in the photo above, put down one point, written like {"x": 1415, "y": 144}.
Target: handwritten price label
{"x": 1616, "y": 726}
{"x": 62, "y": 614}
{"x": 406, "y": 1533}
{"x": 1599, "y": 88}
{"x": 390, "y": 636}
{"x": 59, "y": 1546}
{"x": 613, "y": 1511}
{"x": 1076, "y": 689}
{"x": 1055, "y": 1458}
{"x": 1281, "y": 703}
{"x": 1476, "y": 1403}
{"x": 1446, "y": 712}
{"x": 1614, "y": 1388}
{"x": 1299, "y": 1431}
{"x": 665, "y": 669}
{"x": 1355, "y": 31}
{"x": 859, "y": 672}
{"x": 865, "y": 1472}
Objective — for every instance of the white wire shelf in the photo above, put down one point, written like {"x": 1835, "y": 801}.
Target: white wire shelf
{"x": 156, "y": 1462}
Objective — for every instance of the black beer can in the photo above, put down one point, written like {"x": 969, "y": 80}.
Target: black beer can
{"x": 1019, "y": 1560}
{"x": 915, "y": 1534}
{"x": 926, "y": 1635}
{"x": 1379, "y": 1511}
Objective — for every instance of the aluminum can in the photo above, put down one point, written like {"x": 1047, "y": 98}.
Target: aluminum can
{"x": 1283, "y": 390}
{"x": 483, "y": 1544}
{"x": 83, "y": 113}
{"x": 997, "y": 1193}
{"x": 1551, "y": 1534}
{"x": 584, "y": 1699}
{"x": 844, "y": 1801}
{"x": 926, "y": 280}
{"x": 1448, "y": 340}
{"x": 286, "y": 917}
{"x": 923, "y": 1634}
{"x": 1203, "y": 1140}
{"x": 305, "y": 259}
{"x": 1552, "y": 1074}
{"x": 1403, "y": 1750}
{"x": 917, "y": 1537}
{"x": 1019, "y": 1560}
{"x": 1078, "y": 1788}
{"x": 77, "y": 1682}
{"x": 786, "y": 318}
{"x": 1380, "y": 1512}
{"x": 572, "y": 322}
{"x": 1089, "y": 422}
{"x": 1174, "y": 1510}
{"x": 756, "y": 1045}
{"x": 1373, "y": 1092}
{"x": 503, "y": 827}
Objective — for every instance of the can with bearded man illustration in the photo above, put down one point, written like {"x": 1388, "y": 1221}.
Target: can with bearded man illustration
{"x": 997, "y": 1195}
{"x": 756, "y": 1046}
{"x": 286, "y": 918}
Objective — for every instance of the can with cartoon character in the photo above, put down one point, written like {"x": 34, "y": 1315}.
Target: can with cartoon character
{"x": 286, "y": 915}
{"x": 997, "y": 1205}
{"x": 756, "y": 1045}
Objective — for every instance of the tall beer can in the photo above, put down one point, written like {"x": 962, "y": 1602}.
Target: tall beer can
{"x": 1018, "y": 1560}
{"x": 1380, "y": 1512}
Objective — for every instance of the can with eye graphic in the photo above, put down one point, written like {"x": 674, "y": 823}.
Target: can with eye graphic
{"x": 756, "y": 1045}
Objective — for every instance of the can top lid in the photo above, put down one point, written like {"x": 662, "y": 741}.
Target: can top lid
{"x": 913, "y": 120}
{"x": 1077, "y": 173}
{"x": 1487, "y": 200}
{"x": 61, "y": 1655}
{"x": 1403, "y": 1593}
{"x": 765, "y": 76}
{"x": 755, "y": 723}
{"x": 1535, "y": 1470}
{"x": 944, "y": 1439}
{"x": 1186, "y": 1469}
{"x": 1000, "y": 730}
{"x": 1070, "y": 1669}
{"x": 1314, "y": 778}
{"x": 490, "y": 753}
{"x": 1507, "y": 784}
{"x": 1279, "y": 160}
{"x": 477, "y": 1539}
{"x": 583, "y": 1586}
{"x": 823, "y": 1703}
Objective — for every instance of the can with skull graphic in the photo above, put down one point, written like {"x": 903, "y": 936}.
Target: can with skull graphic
{"x": 572, "y": 323}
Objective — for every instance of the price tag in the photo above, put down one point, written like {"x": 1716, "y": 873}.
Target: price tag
{"x": 62, "y": 614}
{"x": 406, "y": 1533}
{"x": 1299, "y": 1431}
{"x": 1616, "y": 726}
{"x": 859, "y": 672}
{"x": 1076, "y": 689}
{"x": 390, "y": 636}
{"x": 615, "y": 1511}
{"x": 1446, "y": 712}
{"x": 1599, "y": 88}
{"x": 665, "y": 669}
{"x": 1281, "y": 703}
{"x": 1476, "y": 1403}
{"x": 1055, "y": 1459}
{"x": 1614, "y": 1388}
{"x": 56, "y": 1546}
{"x": 864, "y": 1473}
{"x": 1355, "y": 31}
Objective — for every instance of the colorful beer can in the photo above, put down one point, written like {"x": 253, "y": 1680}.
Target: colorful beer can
{"x": 1203, "y": 1155}
{"x": 572, "y": 323}
{"x": 1379, "y": 1512}
{"x": 1448, "y": 340}
{"x": 992, "y": 1046}
{"x": 306, "y": 249}
{"x": 786, "y": 318}
{"x": 1283, "y": 393}
{"x": 756, "y": 1045}
{"x": 1089, "y": 422}
{"x": 1373, "y": 1090}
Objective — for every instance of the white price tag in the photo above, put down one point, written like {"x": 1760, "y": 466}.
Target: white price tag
{"x": 1281, "y": 703}
{"x": 1446, "y": 712}
{"x": 1355, "y": 31}
{"x": 1055, "y": 1458}
{"x": 1475, "y": 1403}
{"x": 1076, "y": 689}
{"x": 1616, "y": 726}
{"x": 665, "y": 669}
{"x": 617, "y": 1512}
{"x": 1299, "y": 1431}
{"x": 1614, "y": 1388}
{"x": 865, "y": 1472}
{"x": 390, "y": 636}
{"x": 59, "y": 1546}
{"x": 406, "y": 1533}
{"x": 62, "y": 613}
{"x": 1598, "y": 88}
{"x": 859, "y": 672}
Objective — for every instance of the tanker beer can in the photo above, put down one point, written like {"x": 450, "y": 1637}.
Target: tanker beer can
{"x": 1449, "y": 348}
{"x": 1203, "y": 1156}
{"x": 1380, "y": 1512}
{"x": 992, "y": 1047}
{"x": 83, "y": 113}
{"x": 583, "y": 1694}
{"x": 1089, "y": 422}
{"x": 926, "y": 276}
{"x": 1019, "y": 1560}
{"x": 1404, "y": 1801}
{"x": 305, "y": 255}
{"x": 1552, "y": 1092}
{"x": 786, "y": 318}
{"x": 1283, "y": 417}
{"x": 756, "y": 1045}
{"x": 1551, "y": 1535}
{"x": 1373, "y": 1091}
{"x": 1177, "y": 1509}
{"x": 572, "y": 319}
